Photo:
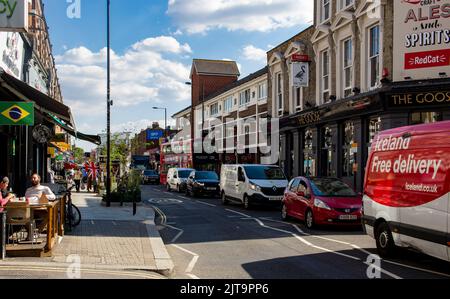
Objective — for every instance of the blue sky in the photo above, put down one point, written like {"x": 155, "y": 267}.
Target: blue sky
{"x": 154, "y": 42}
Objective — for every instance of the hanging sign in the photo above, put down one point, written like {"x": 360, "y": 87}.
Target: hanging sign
{"x": 300, "y": 74}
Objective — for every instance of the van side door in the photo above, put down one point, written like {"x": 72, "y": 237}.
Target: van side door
{"x": 240, "y": 187}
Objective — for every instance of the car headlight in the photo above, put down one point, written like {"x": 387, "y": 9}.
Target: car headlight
{"x": 320, "y": 204}
{"x": 255, "y": 187}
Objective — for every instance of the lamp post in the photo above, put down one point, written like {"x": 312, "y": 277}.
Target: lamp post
{"x": 108, "y": 122}
{"x": 165, "y": 119}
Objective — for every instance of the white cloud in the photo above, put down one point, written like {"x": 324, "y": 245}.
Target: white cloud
{"x": 142, "y": 74}
{"x": 250, "y": 52}
{"x": 199, "y": 16}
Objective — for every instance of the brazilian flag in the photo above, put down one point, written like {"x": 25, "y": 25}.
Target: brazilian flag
{"x": 16, "y": 113}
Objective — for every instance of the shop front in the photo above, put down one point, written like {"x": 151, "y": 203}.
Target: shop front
{"x": 334, "y": 140}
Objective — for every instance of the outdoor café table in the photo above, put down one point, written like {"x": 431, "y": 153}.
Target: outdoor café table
{"x": 55, "y": 221}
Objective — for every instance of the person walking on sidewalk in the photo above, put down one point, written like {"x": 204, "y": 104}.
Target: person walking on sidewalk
{"x": 77, "y": 179}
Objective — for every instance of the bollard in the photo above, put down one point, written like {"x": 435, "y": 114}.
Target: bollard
{"x": 2, "y": 235}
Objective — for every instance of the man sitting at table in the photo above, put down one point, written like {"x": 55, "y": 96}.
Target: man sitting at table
{"x": 36, "y": 192}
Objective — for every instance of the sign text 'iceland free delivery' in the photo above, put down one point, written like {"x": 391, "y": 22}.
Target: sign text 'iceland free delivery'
{"x": 14, "y": 15}
{"x": 406, "y": 171}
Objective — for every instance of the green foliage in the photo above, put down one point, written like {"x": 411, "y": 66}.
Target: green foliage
{"x": 119, "y": 150}
{"x": 78, "y": 154}
{"x": 129, "y": 189}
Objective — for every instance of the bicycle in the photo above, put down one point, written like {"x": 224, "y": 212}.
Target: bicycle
{"x": 73, "y": 214}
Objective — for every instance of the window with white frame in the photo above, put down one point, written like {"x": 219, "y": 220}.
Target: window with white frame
{"x": 262, "y": 91}
{"x": 279, "y": 90}
{"x": 298, "y": 96}
{"x": 325, "y": 75}
{"x": 347, "y": 72}
{"x": 214, "y": 109}
{"x": 228, "y": 104}
{"x": 244, "y": 97}
{"x": 343, "y": 4}
{"x": 374, "y": 56}
{"x": 325, "y": 10}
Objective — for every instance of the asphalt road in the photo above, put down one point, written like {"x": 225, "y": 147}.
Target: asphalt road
{"x": 207, "y": 240}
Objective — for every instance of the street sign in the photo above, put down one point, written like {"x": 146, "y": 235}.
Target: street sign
{"x": 300, "y": 74}
{"x": 16, "y": 113}
{"x": 299, "y": 58}
{"x": 14, "y": 15}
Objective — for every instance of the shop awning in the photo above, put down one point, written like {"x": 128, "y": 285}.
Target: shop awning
{"x": 42, "y": 102}
{"x": 69, "y": 129}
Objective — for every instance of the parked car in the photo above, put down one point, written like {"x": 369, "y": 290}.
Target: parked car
{"x": 203, "y": 183}
{"x": 407, "y": 190}
{"x": 150, "y": 176}
{"x": 177, "y": 178}
{"x": 252, "y": 184}
{"x": 320, "y": 201}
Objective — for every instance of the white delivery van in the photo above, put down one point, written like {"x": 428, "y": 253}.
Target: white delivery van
{"x": 177, "y": 178}
{"x": 407, "y": 189}
{"x": 252, "y": 184}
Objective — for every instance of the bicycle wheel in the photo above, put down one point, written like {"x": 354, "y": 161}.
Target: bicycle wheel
{"x": 76, "y": 215}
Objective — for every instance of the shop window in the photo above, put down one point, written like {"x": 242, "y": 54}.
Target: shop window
{"x": 374, "y": 129}
{"x": 309, "y": 162}
{"x": 349, "y": 150}
{"x": 425, "y": 117}
{"x": 327, "y": 152}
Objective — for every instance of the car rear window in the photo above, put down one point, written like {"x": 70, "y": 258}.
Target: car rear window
{"x": 150, "y": 172}
{"x": 331, "y": 188}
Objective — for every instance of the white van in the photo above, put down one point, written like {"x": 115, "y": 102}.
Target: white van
{"x": 177, "y": 178}
{"x": 407, "y": 190}
{"x": 252, "y": 184}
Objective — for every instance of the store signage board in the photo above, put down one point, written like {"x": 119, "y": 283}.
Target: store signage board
{"x": 299, "y": 58}
{"x": 16, "y": 113}
{"x": 420, "y": 99}
{"x": 300, "y": 74}
{"x": 421, "y": 39}
{"x": 154, "y": 134}
{"x": 14, "y": 15}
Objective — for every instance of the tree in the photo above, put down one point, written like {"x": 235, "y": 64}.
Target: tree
{"x": 78, "y": 154}
{"x": 119, "y": 150}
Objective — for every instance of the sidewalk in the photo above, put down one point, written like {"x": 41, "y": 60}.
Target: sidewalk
{"x": 108, "y": 239}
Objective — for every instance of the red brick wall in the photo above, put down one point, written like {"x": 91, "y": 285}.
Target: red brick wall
{"x": 211, "y": 84}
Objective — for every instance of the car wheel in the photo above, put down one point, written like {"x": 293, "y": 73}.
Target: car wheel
{"x": 284, "y": 213}
{"x": 309, "y": 219}
{"x": 224, "y": 199}
{"x": 385, "y": 242}
{"x": 187, "y": 191}
{"x": 178, "y": 188}
{"x": 247, "y": 204}
{"x": 168, "y": 187}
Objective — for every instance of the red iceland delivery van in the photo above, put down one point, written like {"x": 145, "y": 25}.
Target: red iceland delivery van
{"x": 407, "y": 190}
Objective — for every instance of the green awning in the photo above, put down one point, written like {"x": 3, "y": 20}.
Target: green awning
{"x": 90, "y": 138}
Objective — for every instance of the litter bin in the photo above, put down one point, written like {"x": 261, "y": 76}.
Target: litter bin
{"x": 2, "y": 235}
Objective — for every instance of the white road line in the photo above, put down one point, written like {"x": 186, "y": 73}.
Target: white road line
{"x": 92, "y": 222}
{"x": 204, "y": 203}
{"x": 194, "y": 260}
{"x": 180, "y": 232}
{"x": 191, "y": 265}
{"x": 192, "y": 276}
{"x": 324, "y": 249}
{"x": 242, "y": 214}
{"x": 114, "y": 223}
{"x": 417, "y": 268}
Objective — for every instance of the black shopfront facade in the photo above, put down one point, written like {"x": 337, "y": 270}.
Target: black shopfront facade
{"x": 334, "y": 140}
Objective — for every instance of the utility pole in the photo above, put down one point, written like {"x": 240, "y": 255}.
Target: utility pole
{"x": 108, "y": 122}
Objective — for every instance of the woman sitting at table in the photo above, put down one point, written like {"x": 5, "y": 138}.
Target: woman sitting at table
{"x": 36, "y": 191}
{"x": 3, "y": 202}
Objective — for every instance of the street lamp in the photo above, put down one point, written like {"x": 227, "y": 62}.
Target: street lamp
{"x": 165, "y": 119}
{"x": 108, "y": 110}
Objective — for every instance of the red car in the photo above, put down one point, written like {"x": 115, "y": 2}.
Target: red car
{"x": 320, "y": 201}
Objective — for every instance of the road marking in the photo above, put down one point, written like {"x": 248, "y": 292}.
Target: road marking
{"x": 417, "y": 268}
{"x": 161, "y": 213}
{"x": 194, "y": 260}
{"x": 204, "y": 203}
{"x": 114, "y": 223}
{"x": 92, "y": 222}
{"x": 192, "y": 276}
{"x": 242, "y": 214}
{"x": 180, "y": 232}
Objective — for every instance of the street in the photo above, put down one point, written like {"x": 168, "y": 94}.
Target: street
{"x": 207, "y": 240}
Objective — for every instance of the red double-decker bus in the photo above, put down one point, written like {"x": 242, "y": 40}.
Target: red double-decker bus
{"x": 176, "y": 154}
